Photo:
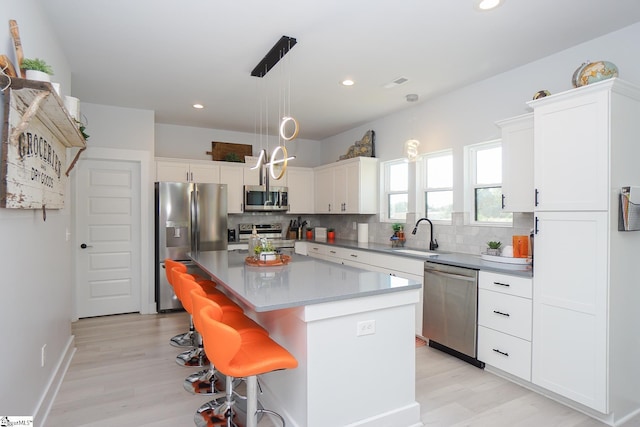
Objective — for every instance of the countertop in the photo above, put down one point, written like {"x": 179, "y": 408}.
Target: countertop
{"x": 450, "y": 258}
{"x": 303, "y": 281}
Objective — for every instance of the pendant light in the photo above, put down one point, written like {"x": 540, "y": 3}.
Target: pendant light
{"x": 279, "y": 157}
{"x": 411, "y": 145}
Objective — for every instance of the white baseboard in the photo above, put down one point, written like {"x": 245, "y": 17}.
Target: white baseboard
{"x": 51, "y": 391}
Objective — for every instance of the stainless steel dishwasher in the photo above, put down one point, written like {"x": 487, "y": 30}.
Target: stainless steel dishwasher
{"x": 450, "y": 316}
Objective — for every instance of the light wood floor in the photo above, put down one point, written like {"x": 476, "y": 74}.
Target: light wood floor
{"x": 124, "y": 374}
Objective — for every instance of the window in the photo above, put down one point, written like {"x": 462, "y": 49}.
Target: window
{"x": 396, "y": 190}
{"x": 485, "y": 183}
{"x": 438, "y": 186}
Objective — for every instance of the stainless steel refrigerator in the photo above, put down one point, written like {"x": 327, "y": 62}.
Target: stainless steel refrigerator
{"x": 189, "y": 217}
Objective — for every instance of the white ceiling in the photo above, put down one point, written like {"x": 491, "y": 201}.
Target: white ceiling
{"x": 167, "y": 55}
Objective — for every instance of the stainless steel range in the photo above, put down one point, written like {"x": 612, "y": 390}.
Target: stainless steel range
{"x": 271, "y": 231}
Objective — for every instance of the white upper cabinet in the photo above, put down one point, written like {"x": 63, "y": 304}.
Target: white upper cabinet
{"x": 517, "y": 163}
{"x": 233, "y": 176}
{"x": 184, "y": 171}
{"x": 571, "y": 151}
{"x": 300, "y": 183}
{"x": 347, "y": 187}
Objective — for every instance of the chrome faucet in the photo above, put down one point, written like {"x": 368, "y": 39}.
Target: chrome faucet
{"x": 433, "y": 243}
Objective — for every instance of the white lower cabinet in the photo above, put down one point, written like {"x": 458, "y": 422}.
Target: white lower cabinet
{"x": 505, "y": 352}
{"x": 504, "y": 322}
{"x": 398, "y": 266}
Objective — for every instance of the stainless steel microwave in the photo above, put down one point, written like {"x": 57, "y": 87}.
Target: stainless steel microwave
{"x": 257, "y": 198}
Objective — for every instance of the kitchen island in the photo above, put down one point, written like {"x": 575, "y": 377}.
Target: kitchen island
{"x": 351, "y": 331}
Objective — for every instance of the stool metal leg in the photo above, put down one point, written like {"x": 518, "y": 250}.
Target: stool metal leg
{"x": 252, "y": 400}
{"x": 194, "y": 357}
{"x": 187, "y": 339}
{"x": 203, "y": 382}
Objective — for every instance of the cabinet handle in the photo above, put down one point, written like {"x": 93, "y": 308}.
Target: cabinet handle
{"x": 329, "y": 209}
{"x": 501, "y": 284}
{"x": 501, "y": 313}
{"x": 535, "y": 197}
{"x": 187, "y": 176}
{"x": 503, "y": 201}
{"x": 354, "y": 255}
{"x": 333, "y": 252}
{"x": 535, "y": 227}
{"x": 501, "y": 352}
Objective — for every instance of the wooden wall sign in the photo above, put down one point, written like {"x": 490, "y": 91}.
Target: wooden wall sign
{"x": 227, "y": 151}
{"x": 36, "y": 133}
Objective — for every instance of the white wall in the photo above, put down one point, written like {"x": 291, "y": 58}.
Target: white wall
{"x": 186, "y": 142}
{"x": 36, "y": 262}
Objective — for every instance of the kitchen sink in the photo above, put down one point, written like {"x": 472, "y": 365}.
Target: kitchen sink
{"x": 425, "y": 254}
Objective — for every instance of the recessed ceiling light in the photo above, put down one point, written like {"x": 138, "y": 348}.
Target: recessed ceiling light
{"x": 198, "y": 106}
{"x": 347, "y": 82}
{"x": 487, "y": 4}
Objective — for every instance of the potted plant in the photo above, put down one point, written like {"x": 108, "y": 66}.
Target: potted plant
{"x": 331, "y": 233}
{"x": 309, "y": 233}
{"x": 494, "y": 248}
{"x": 265, "y": 251}
{"x": 37, "y": 69}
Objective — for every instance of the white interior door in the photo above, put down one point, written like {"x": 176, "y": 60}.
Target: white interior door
{"x": 108, "y": 256}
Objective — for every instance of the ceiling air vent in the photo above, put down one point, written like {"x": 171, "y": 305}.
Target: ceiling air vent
{"x": 396, "y": 82}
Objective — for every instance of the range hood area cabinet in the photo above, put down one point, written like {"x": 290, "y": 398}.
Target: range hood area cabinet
{"x": 586, "y": 293}
{"x": 347, "y": 187}
{"x": 517, "y": 163}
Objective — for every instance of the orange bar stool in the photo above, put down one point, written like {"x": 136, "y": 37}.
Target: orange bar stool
{"x": 186, "y": 339}
{"x": 245, "y": 354}
{"x": 185, "y": 283}
{"x": 204, "y": 382}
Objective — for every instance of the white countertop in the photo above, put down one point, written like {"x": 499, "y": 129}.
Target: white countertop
{"x": 302, "y": 282}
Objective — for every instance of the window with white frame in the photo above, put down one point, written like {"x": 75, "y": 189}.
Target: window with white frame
{"x": 438, "y": 185}
{"x": 396, "y": 190}
{"x": 485, "y": 183}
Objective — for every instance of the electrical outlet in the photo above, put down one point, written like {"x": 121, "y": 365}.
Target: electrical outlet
{"x": 43, "y": 354}
{"x": 366, "y": 327}
{"x": 355, "y": 226}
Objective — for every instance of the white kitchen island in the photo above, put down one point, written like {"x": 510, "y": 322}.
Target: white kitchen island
{"x": 351, "y": 330}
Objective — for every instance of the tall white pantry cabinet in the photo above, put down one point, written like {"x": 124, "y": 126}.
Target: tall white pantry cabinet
{"x": 586, "y": 293}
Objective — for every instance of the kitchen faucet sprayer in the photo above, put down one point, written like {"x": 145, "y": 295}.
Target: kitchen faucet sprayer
{"x": 433, "y": 243}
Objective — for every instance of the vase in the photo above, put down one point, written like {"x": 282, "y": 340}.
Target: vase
{"x": 331, "y": 235}
{"x": 309, "y": 235}
{"x": 38, "y": 75}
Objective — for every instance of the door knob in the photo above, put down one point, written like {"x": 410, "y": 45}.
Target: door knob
{"x": 85, "y": 246}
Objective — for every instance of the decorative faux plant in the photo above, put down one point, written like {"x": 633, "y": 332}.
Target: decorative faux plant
{"x": 264, "y": 246}
{"x": 396, "y": 227}
{"x": 232, "y": 157}
{"x": 82, "y": 128}
{"x": 494, "y": 248}
{"x": 36, "y": 64}
{"x": 494, "y": 245}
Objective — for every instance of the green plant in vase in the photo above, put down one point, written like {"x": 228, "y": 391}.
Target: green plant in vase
{"x": 494, "y": 247}
{"x": 37, "y": 69}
